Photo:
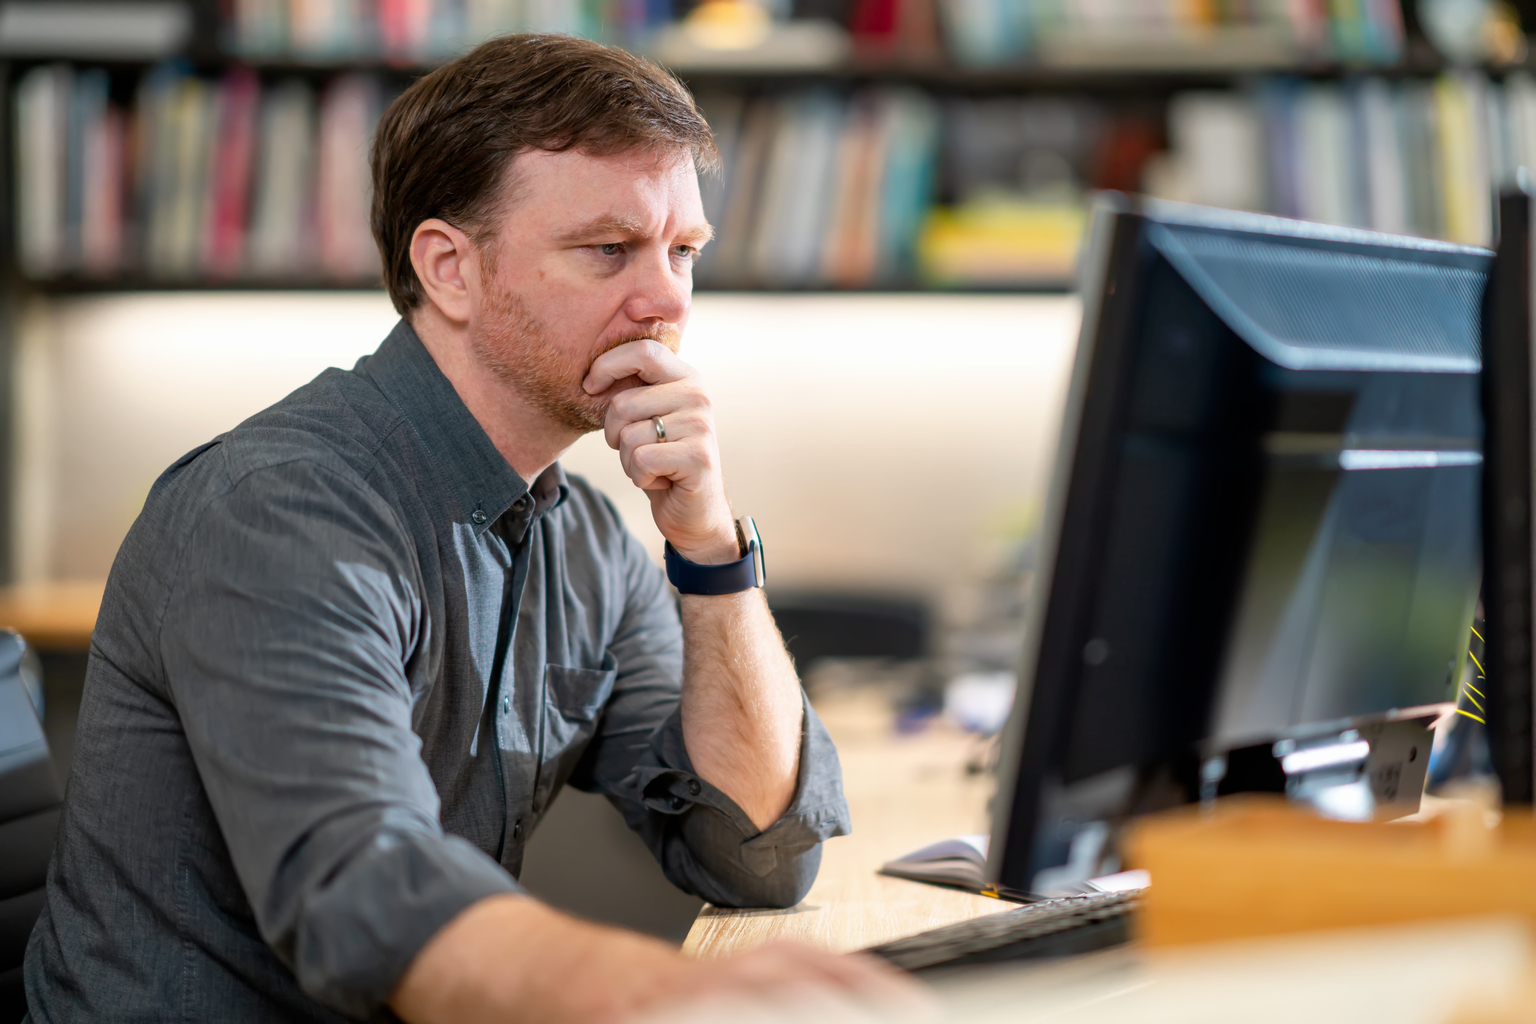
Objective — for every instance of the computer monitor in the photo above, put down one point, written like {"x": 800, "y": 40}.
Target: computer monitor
{"x": 1260, "y": 555}
{"x": 1507, "y": 502}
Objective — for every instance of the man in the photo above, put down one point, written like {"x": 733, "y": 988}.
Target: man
{"x": 352, "y": 649}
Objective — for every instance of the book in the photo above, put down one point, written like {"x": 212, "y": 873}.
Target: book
{"x": 102, "y": 241}
{"x": 1385, "y": 181}
{"x": 87, "y": 111}
{"x": 348, "y": 114}
{"x": 911, "y": 142}
{"x": 1324, "y": 155}
{"x": 961, "y": 863}
{"x": 1462, "y": 158}
{"x": 188, "y": 164}
{"x": 850, "y": 253}
{"x": 279, "y": 242}
{"x": 1219, "y": 136}
{"x": 738, "y": 222}
{"x": 796, "y": 188}
{"x": 1416, "y": 135}
{"x": 227, "y": 207}
{"x": 42, "y": 111}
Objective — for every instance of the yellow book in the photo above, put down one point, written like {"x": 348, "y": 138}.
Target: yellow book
{"x": 1001, "y": 241}
{"x": 1461, "y": 159}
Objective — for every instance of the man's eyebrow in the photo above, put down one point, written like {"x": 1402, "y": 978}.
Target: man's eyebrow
{"x": 625, "y": 226}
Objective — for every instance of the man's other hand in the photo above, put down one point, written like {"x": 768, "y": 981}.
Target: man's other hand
{"x": 512, "y": 959}
{"x": 682, "y": 473}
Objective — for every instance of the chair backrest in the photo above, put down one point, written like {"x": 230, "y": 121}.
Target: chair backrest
{"x": 29, "y": 816}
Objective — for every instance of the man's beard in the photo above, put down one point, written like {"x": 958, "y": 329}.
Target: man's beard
{"x": 515, "y": 347}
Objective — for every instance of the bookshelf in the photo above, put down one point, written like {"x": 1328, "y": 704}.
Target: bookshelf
{"x": 239, "y": 161}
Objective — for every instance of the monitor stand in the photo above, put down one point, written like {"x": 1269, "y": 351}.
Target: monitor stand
{"x": 1364, "y": 769}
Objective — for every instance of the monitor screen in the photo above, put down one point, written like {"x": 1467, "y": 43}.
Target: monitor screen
{"x": 1261, "y": 548}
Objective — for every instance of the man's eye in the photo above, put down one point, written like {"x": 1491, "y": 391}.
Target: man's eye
{"x": 611, "y": 248}
{"x": 685, "y": 252}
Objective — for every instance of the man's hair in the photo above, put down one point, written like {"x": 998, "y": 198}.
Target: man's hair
{"x": 443, "y": 147}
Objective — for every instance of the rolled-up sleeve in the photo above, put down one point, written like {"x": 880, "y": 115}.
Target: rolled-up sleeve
{"x": 286, "y": 639}
{"x": 706, "y": 844}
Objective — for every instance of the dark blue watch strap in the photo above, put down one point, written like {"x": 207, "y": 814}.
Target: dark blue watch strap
{"x": 693, "y": 578}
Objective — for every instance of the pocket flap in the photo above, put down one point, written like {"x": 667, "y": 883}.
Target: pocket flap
{"x": 579, "y": 693}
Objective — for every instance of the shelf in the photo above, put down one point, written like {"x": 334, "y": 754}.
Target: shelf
{"x": 135, "y": 283}
{"x": 1159, "y": 72}
{"x": 69, "y": 286}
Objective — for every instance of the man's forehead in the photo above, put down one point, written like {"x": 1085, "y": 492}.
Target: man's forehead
{"x": 578, "y": 194}
{"x": 641, "y": 162}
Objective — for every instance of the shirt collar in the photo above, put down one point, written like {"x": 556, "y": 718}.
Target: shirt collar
{"x": 482, "y": 480}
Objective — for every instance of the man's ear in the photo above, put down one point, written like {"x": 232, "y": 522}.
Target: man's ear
{"x": 447, "y": 266}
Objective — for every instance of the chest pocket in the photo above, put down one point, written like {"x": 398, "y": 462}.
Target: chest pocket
{"x": 573, "y": 702}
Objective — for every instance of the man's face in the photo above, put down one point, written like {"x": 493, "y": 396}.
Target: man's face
{"x": 591, "y": 252}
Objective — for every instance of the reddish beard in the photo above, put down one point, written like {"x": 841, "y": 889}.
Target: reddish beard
{"x": 517, "y": 349}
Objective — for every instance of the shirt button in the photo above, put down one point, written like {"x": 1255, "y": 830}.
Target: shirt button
{"x": 517, "y": 829}
{"x": 506, "y": 704}
{"x": 477, "y": 517}
{"x": 694, "y": 787}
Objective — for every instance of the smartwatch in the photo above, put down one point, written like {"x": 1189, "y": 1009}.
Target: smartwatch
{"x": 714, "y": 580}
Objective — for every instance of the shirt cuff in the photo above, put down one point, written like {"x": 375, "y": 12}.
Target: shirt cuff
{"x": 361, "y": 932}
{"x": 817, "y": 812}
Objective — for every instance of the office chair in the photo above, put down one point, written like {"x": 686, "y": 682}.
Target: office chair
{"x": 846, "y": 625}
{"x": 29, "y": 816}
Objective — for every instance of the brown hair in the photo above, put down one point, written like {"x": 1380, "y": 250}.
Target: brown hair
{"x": 443, "y": 147}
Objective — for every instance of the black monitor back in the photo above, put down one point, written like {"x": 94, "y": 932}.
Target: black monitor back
{"x": 1507, "y": 501}
{"x": 1263, "y": 520}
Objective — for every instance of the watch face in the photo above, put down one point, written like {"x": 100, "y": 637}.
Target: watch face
{"x": 748, "y": 528}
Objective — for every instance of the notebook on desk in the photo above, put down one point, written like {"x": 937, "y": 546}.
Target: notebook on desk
{"x": 961, "y": 863}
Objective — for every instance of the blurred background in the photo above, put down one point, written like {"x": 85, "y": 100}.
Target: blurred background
{"x": 886, "y": 318}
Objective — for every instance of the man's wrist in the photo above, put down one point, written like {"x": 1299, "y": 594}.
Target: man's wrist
{"x": 718, "y": 550}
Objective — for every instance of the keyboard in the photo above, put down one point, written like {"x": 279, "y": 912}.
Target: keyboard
{"x": 1049, "y": 928}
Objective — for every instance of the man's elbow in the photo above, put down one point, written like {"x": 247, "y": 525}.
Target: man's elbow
{"x": 781, "y": 886}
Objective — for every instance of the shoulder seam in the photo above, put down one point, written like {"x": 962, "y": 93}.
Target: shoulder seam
{"x": 173, "y": 575}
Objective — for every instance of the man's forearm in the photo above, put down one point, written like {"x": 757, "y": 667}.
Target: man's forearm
{"x": 742, "y": 711}
{"x": 510, "y": 958}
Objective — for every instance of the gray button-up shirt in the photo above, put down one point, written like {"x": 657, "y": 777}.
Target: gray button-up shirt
{"x": 345, "y": 661}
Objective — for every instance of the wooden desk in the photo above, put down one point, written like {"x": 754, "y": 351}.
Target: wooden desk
{"x": 904, "y": 793}
{"x": 52, "y": 616}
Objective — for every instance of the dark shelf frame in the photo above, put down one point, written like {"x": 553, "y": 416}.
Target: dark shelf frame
{"x": 128, "y": 284}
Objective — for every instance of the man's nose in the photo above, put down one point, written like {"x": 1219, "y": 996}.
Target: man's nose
{"x": 662, "y": 292}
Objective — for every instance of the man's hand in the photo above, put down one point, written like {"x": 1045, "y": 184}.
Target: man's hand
{"x": 681, "y": 474}
{"x": 511, "y": 959}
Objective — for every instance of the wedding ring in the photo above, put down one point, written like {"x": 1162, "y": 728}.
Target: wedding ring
{"x": 661, "y": 430}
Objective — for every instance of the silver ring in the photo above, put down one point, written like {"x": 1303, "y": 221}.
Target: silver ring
{"x": 661, "y": 430}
